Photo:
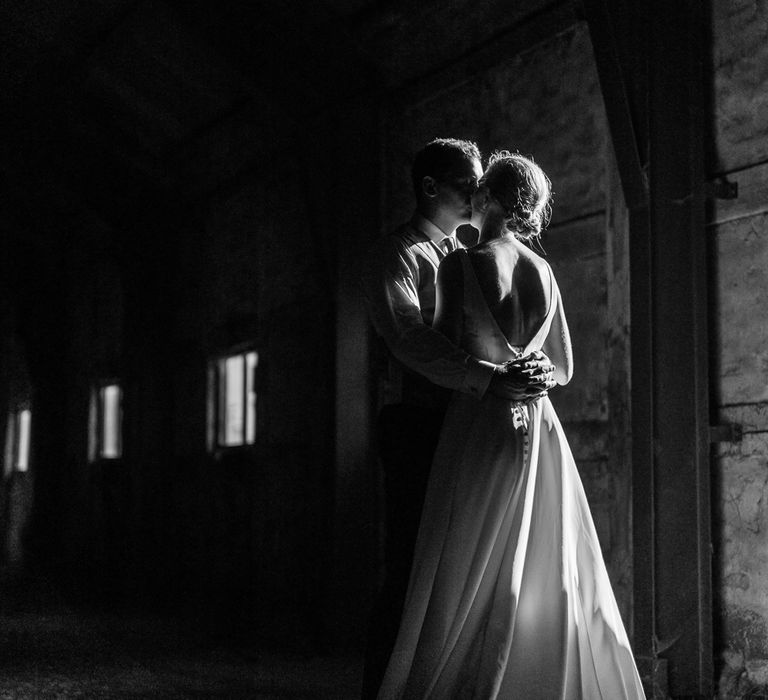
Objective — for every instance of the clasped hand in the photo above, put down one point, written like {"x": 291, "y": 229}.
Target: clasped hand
{"x": 524, "y": 378}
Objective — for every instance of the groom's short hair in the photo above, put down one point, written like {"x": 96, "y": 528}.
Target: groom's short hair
{"x": 439, "y": 157}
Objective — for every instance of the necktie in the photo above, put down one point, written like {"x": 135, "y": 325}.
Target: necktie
{"x": 448, "y": 244}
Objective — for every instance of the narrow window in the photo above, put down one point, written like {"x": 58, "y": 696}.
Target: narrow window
{"x": 18, "y": 440}
{"x": 22, "y": 447}
{"x": 106, "y": 422}
{"x": 111, "y": 401}
{"x": 232, "y": 399}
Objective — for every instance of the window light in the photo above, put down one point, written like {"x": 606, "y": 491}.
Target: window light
{"x": 234, "y": 390}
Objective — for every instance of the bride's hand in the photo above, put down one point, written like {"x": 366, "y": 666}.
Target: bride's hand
{"x": 524, "y": 378}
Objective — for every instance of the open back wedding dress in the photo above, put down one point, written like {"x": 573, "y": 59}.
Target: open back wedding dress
{"x": 509, "y": 596}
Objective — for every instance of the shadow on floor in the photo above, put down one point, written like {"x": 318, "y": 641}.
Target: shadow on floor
{"x": 50, "y": 650}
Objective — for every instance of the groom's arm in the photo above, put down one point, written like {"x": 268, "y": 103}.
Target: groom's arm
{"x": 390, "y": 290}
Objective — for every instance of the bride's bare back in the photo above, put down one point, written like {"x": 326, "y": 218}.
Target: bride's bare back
{"x": 515, "y": 284}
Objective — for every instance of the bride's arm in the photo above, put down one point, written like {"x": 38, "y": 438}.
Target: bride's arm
{"x": 557, "y": 346}
{"x": 449, "y": 298}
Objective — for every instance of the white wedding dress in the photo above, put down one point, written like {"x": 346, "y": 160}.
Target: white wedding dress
{"x": 508, "y": 596}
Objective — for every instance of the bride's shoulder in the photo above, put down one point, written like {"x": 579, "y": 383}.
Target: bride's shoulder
{"x": 534, "y": 259}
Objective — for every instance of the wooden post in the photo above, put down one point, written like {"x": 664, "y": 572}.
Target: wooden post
{"x": 649, "y": 59}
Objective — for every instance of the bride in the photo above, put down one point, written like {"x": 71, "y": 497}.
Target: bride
{"x": 508, "y": 596}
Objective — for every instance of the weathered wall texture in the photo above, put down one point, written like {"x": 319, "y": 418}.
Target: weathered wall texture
{"x": 739, "y": 245}
{"x": 547, "y": 102}
{"x": 740, "y": 62}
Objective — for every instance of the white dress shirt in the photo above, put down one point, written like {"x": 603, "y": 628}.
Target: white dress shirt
{"x": 398, "y": 283}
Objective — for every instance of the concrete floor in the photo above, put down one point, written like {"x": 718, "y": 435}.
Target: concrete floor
{"x": 50, "y": 650}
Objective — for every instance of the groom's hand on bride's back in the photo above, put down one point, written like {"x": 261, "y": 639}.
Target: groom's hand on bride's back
{"x": 523, "y": 379}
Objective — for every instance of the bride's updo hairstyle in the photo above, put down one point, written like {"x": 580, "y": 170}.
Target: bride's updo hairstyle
{"x": 522, "y": 189}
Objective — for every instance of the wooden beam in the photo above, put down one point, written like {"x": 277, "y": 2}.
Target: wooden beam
{"x": 622, "y": 121}
{"x": 614, "y": 74}
{"x": 554, "y": 18}
{"x": 651, "y": 75}
{"x": 680, "y": 347}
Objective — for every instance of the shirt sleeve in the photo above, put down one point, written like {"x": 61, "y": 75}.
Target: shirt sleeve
{"x": 389, "y": 286}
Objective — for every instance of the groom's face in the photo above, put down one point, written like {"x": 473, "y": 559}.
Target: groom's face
{"x": 455, "y": 189}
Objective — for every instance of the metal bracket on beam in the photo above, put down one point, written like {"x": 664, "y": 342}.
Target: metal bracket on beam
{"x": 728, "y": 432}
{"x": 721, "y": 189}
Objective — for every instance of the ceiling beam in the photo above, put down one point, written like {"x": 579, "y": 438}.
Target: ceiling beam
{"x": 548, "y": 21}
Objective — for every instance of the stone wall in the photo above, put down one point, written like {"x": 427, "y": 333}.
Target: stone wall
{"x": 738, "y": 233}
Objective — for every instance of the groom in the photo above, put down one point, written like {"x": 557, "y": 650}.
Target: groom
{"x": 398, "y": 283}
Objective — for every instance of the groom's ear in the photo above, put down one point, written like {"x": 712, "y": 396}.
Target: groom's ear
{"x": 429, "y": 186}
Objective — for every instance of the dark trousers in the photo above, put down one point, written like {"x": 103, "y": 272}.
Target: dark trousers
{"x": 407, "y": 437}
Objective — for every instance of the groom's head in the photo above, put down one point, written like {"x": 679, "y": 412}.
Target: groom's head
{"x": 445, "y": 174}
